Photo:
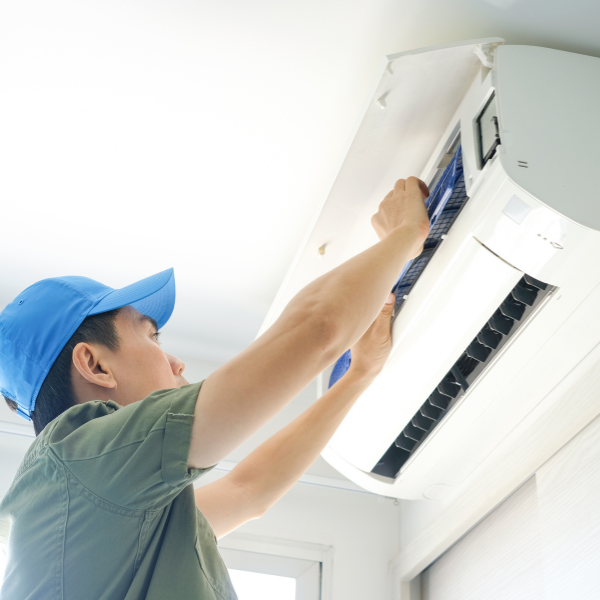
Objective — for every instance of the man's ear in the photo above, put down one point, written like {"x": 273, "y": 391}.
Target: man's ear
{"x": 91, "y": 364}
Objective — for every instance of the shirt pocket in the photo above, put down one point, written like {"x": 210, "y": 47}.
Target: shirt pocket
{"x": 211, "y": 563}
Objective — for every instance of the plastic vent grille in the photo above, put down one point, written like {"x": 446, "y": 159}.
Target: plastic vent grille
{"x": 445, "y": 202}
{"x": 503, "y": 324}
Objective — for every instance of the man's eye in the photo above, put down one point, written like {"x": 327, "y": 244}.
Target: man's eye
{"x": 156, "y": 335}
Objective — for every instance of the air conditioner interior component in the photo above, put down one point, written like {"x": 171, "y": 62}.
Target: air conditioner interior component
{"x": 447, "y": 198}
{"x": 500, "y": 311}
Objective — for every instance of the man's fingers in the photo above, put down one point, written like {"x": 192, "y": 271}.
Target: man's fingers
{"x": 403, "y": 206}
{"x": 400, "y": 185}
{"x": 388, "y": 307}
{"x": 386, "y": 312}
{"x": 412, "y": 183}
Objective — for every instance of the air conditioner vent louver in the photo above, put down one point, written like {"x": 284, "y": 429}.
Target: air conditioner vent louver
{"x": 503, "y": 324}
{"x": 490, "y": 338}
{"x": 478, "y": 351}
{"x": 422, "y": 422}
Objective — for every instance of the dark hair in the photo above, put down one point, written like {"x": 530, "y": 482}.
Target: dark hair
{"x": 57, "y": 394}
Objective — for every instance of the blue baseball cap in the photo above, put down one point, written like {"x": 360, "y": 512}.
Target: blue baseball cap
{"x": 39, "y": 322}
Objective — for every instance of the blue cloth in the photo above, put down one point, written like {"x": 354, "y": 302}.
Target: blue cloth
{"x": 443, "y": 205}
{"x": 38, "y": 323}
{"x": 340, "y": 367}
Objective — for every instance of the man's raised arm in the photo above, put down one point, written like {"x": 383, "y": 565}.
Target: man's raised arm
{"x": 320, "y": 323}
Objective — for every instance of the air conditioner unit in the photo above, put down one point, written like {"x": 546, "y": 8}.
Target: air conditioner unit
{"x": 505, "y": 300}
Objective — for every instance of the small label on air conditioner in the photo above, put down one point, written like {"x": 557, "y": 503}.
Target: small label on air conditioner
{"x": 516, "y": 209}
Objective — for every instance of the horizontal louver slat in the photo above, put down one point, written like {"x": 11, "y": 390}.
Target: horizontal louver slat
{"x": 498, "y": 329}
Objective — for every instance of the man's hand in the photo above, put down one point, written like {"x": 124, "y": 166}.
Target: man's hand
{"x": 372, "y": 350}
{"x": 404, "y": 208}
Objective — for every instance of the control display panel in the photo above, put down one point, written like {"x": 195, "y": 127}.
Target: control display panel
{"x": 489, "y": 133}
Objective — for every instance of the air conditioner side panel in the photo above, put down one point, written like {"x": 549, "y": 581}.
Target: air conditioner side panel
{"x": 548, "y": 115}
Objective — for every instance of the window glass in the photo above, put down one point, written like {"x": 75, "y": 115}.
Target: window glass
{"x": 259, "y": 586}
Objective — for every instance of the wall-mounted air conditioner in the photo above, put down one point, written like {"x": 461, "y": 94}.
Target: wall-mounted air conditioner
{"x": 505, "y": 300}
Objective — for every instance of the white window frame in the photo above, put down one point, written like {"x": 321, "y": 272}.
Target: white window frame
{"x": 286, "y": 548}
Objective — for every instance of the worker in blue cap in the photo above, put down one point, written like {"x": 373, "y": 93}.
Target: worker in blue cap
{"x": 102, "y": 506}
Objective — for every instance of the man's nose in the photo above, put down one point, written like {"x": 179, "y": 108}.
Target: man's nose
{"x": 177, "y": 365}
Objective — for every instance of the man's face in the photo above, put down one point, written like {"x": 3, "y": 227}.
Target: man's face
{"x": 140, "y": 366}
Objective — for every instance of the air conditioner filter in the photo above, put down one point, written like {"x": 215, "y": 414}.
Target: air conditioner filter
{"x": 443, "y": 205}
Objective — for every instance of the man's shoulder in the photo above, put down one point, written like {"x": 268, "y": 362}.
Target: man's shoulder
{"x": 69, "y": 421}
{"x": 94, "y": 428}
{"x": 76, "y": 417}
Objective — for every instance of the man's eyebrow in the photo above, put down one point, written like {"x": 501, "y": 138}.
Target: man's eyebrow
{"x": 149, "y": 320}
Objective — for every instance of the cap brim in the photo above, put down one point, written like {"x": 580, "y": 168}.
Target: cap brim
{"x": 153, "y": 297}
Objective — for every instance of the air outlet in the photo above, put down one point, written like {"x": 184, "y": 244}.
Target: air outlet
{"x": 514, "y": 311}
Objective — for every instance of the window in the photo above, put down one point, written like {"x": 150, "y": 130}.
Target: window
{"x": 260, "y": 586}
{"x": 262, "y": 576}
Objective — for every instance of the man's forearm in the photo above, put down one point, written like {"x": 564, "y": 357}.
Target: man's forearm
{"x": 277, "y": 464}
{"x": 351, "y": 295}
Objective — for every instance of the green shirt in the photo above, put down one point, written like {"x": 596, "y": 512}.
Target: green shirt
{"x": 102, "y": 507}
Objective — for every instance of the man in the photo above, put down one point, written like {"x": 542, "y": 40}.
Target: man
{"x": 102, "y": 506}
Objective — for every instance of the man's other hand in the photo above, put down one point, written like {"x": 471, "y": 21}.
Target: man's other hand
{"x": 370, "y": 353}
{"x": 404, "y": 208}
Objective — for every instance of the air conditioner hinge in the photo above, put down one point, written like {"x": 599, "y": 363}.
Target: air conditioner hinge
{"x": 485, "y": 53}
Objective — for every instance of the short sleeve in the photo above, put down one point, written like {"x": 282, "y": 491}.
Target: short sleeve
{"x": 134, "y": 456}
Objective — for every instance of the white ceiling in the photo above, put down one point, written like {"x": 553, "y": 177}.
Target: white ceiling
{"x": 136, "y": 136}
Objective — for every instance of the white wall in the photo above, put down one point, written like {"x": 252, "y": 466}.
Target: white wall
{"x": 12, "y": 450}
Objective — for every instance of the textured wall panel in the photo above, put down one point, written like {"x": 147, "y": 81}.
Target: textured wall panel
{"x": 569, "y": 501}
{"x": 500, "y": 558}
